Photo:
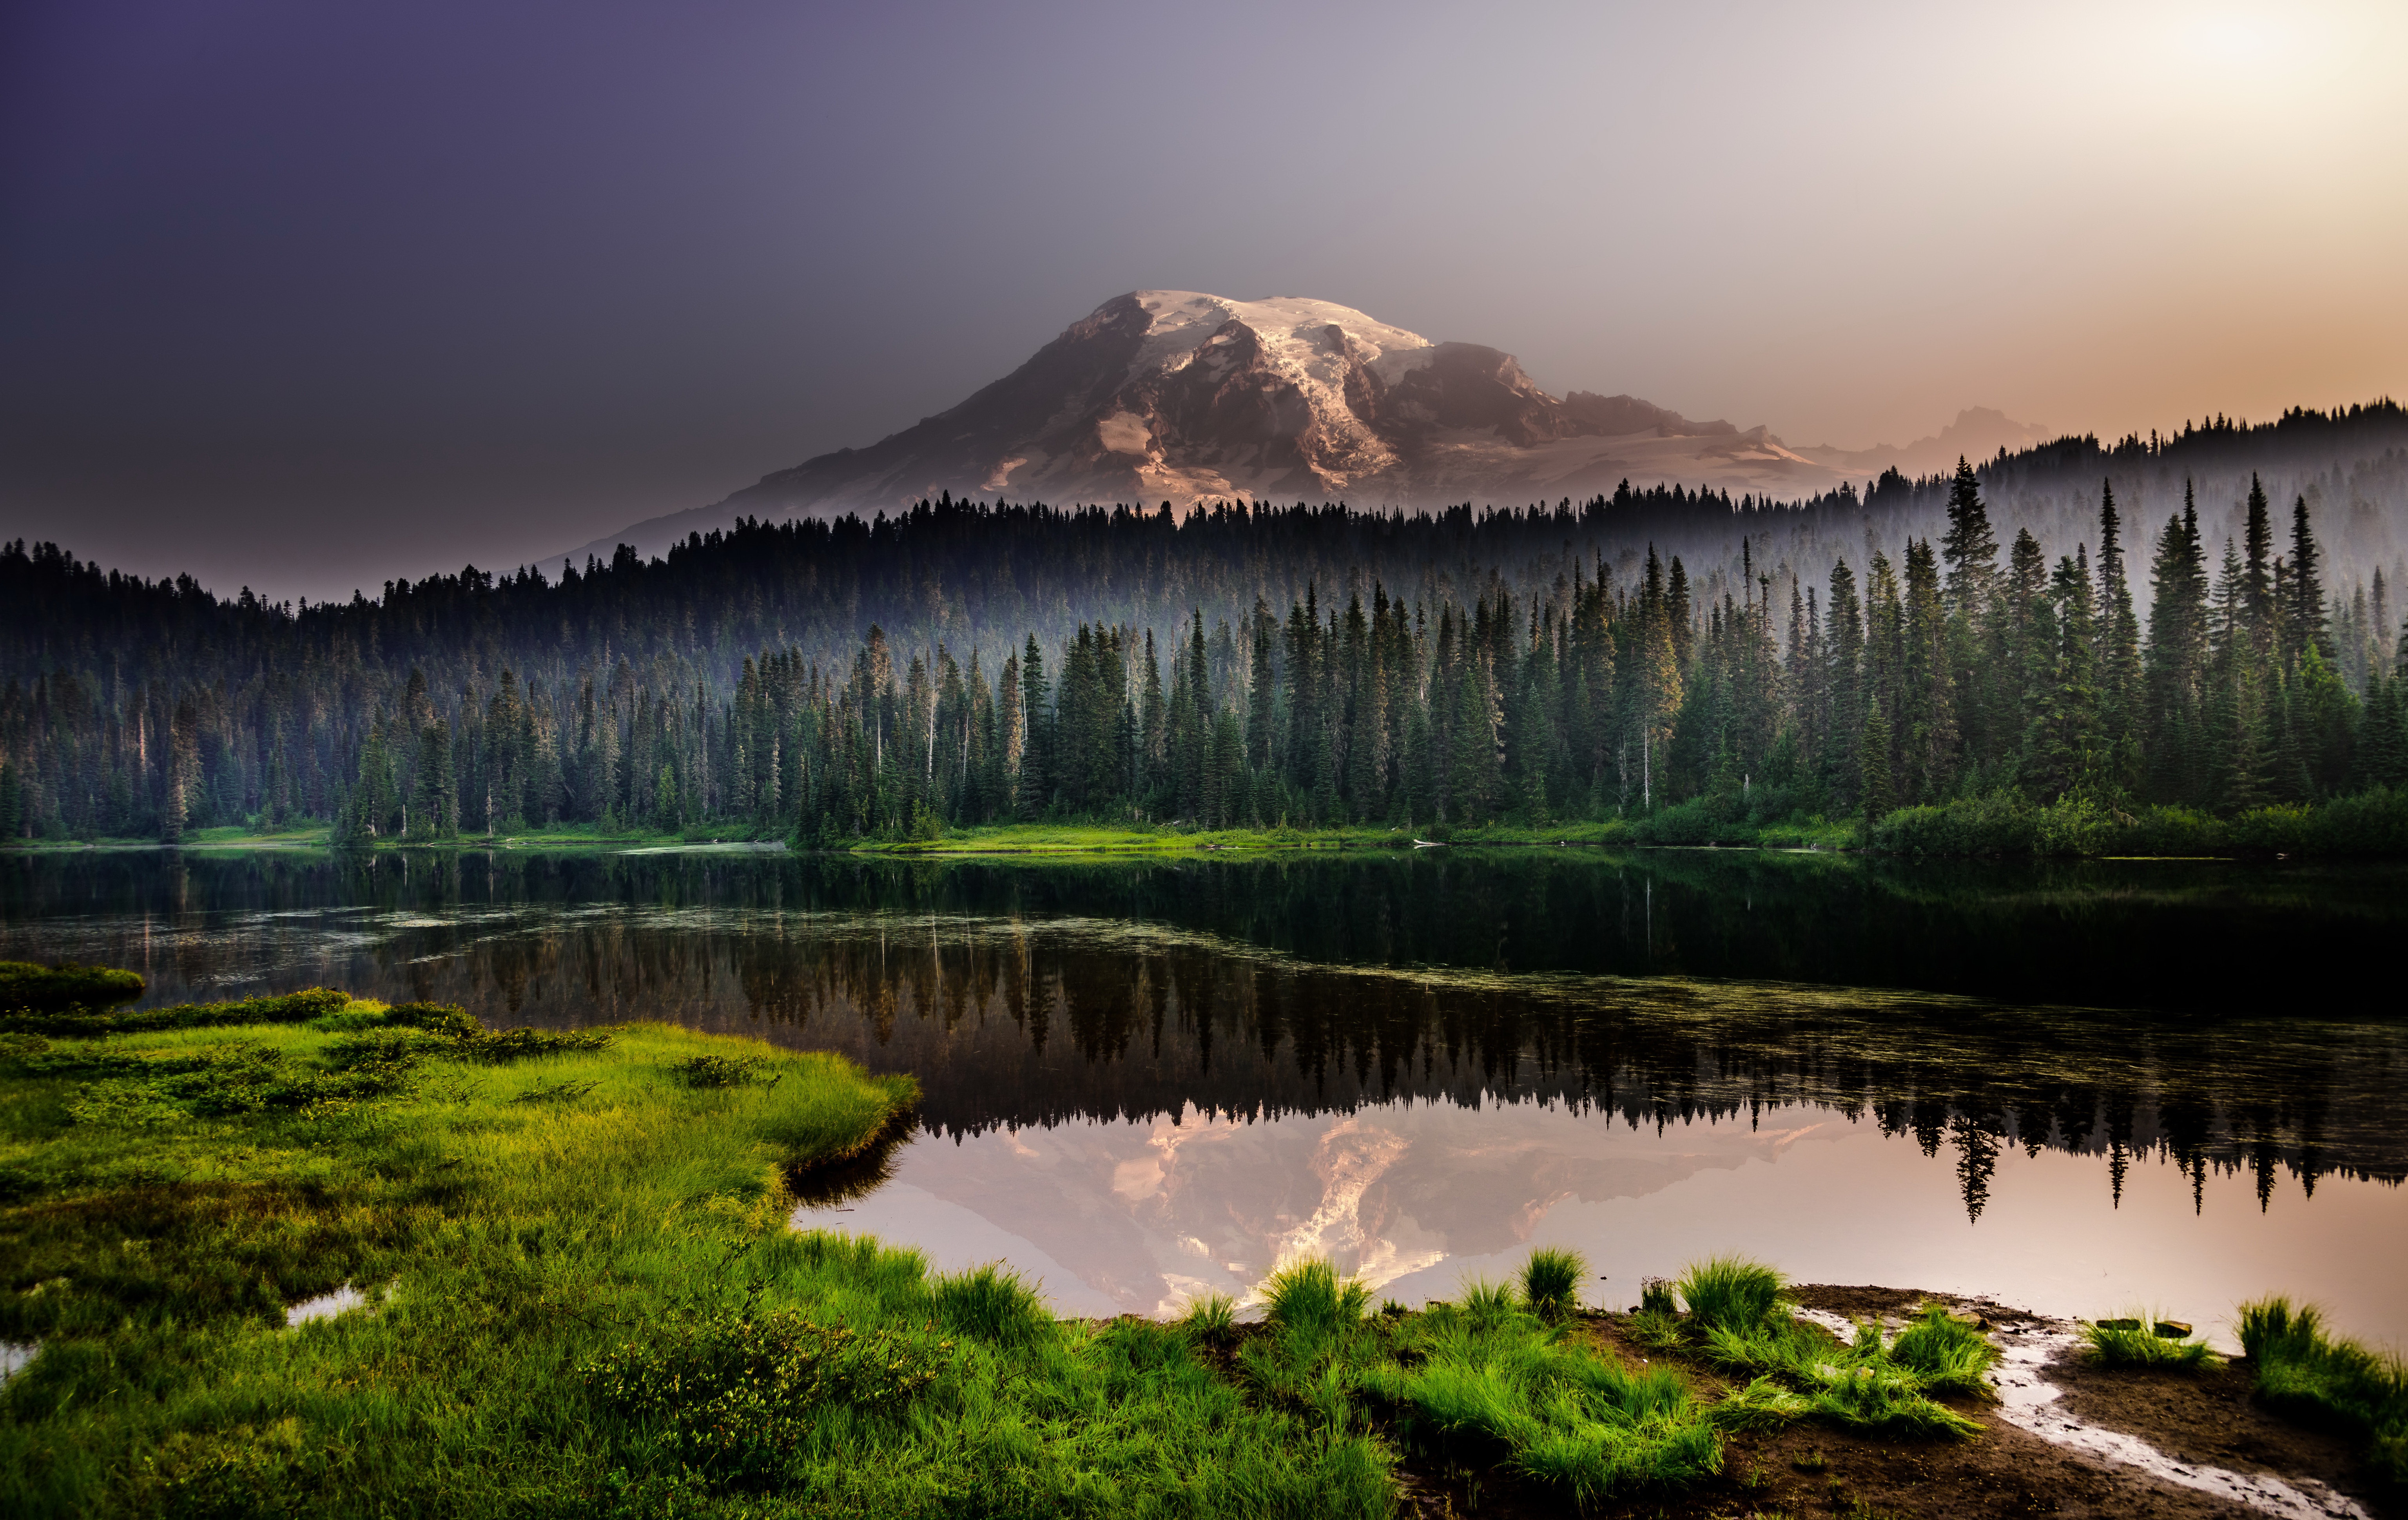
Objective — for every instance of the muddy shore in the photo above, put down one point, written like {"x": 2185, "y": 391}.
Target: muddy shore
{"x": 2196, "y": 1422}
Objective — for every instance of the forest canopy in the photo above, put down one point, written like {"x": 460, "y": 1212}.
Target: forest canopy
{"x": 961, "y": 663}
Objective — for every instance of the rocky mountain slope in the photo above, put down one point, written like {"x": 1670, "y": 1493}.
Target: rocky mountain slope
{"x": 1180, "y": 396}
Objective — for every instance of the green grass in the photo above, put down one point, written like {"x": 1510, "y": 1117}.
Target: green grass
{"x": 1732, "y": 1293}
{"x": 1551, "y": 1281}
{"x": 1483, "y": 1382}
{"x": 582, "y": 1296}
{"x": 1738, "y": 1320}
{"x": 2371, "y": 823}
{"x": 2311, "y": 1375}
{"x": 31, "y": 988}
{"x": 1685, "y": 825}
{"x": 2140, "y": 1339}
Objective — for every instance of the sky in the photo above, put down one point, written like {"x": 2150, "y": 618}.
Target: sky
{"x": 304, "y": 297}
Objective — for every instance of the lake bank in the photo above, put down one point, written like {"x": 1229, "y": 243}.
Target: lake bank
{"x": 571, "y": 1284}
{"x": 2369, "y": 824}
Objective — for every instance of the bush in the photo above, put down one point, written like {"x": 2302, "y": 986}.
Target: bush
{"x": 724, "y": 1071}
{"x": 288, "y": 1008}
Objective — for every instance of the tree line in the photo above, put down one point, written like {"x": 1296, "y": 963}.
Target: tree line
{"x": 1249, "y": 665}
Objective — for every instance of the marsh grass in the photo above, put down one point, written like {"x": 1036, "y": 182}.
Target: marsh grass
{"x": 1551, "y": 1281}
{"x": 2315, "y": 1376}
{"x": 581, "y": 1297}
{"x": 1732, "y": 1293}
{"x": 26, "y": 986}
{"x": 1211, "y": 1321}
{"x": 1740, "y": 1322}
{"x": 1485, "y": 1378}
{"x": 2138, "y": 1339}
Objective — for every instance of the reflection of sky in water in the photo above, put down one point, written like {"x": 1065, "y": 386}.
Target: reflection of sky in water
{"x": 1377, "y": 1134}
{"x": 1138, "y": 1217}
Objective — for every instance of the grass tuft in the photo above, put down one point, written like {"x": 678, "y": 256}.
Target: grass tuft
{"x": 2140, "y": 1341}
{"x": 1732, "y": 1293}
{"x": 2319, "y": 1378}
{"x": 1211, "y": 1321}
{"x": 1551, "y": 1281}
{"x": 1309, "y": 1295}
{"x": 994, "y": 1303}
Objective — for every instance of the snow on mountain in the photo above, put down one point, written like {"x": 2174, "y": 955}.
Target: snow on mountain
{"x": 1187, "y": 397}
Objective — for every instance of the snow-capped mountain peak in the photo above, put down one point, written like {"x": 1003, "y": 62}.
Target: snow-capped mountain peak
{"x": 1186, "y": 396}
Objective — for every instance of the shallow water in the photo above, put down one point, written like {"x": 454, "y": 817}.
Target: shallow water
{"x": 2072, "y": 1088}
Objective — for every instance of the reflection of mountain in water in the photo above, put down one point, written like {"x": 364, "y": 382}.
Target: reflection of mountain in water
{"x": 1028, "y": 998}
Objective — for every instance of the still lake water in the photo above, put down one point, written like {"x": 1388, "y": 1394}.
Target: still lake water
{"x": 2078, "y": 1088}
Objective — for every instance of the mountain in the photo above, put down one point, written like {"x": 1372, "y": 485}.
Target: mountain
{"x": 1977, "y": 434}
{"x": 1180, "y": 396}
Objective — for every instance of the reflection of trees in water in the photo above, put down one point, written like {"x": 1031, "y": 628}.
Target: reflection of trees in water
{"x": 1034, "y": 997}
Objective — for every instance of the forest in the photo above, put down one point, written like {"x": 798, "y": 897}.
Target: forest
{"x": 1841, "y": 657}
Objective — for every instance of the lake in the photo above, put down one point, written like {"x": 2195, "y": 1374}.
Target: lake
{"x": 2078, "y": 1087}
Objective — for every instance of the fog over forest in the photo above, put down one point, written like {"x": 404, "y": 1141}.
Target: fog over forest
{"x": 1220, "y": 668}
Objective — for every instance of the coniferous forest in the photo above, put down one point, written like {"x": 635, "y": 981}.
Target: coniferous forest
{"x": 2017, "y": 632}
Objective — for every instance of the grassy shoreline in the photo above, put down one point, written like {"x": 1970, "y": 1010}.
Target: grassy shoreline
{"x": 578, "y": 1293}
{"x": 1998, "y": 826}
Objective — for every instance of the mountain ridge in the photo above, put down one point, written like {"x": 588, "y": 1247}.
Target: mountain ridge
{"x": 1187, "y": 397}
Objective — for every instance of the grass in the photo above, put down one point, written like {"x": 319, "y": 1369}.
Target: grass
{"x": 31, "y": 988}
{"x": 1685, "y": 825}
{"x": 2371, "y": 823}
{"x": 582, "y": 1296}
{"x": 579, "y": 1295}
{"x": 1739, "y": 1320}
{"x": 1551, "y": 1281}
{"x": 2319, "y": 1378}
{"x": 1487, "y": 1380}
{"x": 2140, "y": 1339}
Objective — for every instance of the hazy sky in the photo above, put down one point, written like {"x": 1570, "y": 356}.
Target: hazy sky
{"x": 307, "y": 295}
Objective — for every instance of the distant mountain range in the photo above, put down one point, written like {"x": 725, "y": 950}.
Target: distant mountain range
{"x": 1178, "y": 396}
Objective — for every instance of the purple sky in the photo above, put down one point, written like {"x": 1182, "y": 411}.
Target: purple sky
{"x": 307, "y": 295}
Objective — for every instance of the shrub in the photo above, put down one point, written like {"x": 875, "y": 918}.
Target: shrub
{"x": 724, "y": 1071}
{"x": 288, "y": 1008}
{"x": 733, "y": 1394}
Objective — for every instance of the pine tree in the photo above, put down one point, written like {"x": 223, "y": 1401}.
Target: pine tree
{"x": 2257, "y": 582}
{"x": 1843, "y": 665}
{"x": 2176, "y": 669}
{"x": 2122, "y": 699}
{"x": 2304, "y": 618}
{"x": 1037, "y": 746}
{"x": 2069, "y": 742}
{"x": 434, "y": 803}
{"x": 1928, "y": 740}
